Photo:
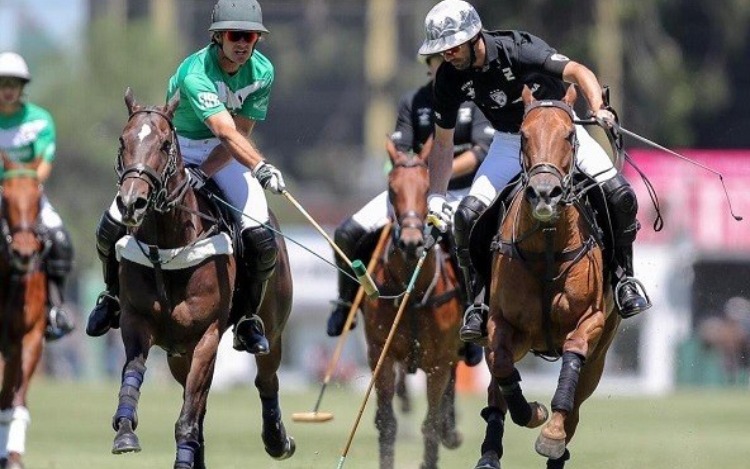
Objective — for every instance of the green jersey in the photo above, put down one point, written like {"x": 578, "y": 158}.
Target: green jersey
{"x": 205, "y": 89}
{"x": 28, "y": 134}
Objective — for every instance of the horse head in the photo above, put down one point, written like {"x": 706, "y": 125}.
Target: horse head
{"x": 548, "y": 146}
{"x": 147, "y": 160}
{"x": 21, "y": 204}
{"x": 408, "y": 185}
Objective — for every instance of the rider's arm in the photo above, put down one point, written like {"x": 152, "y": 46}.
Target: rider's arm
{"x": 224, "y": 128}
{"x": 440, "y": 160}
{"x": 587, "y": 82}
{"x": 43, "y": 171}
{"x": 220, "y": 156}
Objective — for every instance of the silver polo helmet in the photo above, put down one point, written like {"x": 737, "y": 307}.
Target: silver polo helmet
{"x": 450, "y": 23}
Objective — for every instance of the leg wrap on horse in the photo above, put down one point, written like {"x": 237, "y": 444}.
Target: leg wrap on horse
{"x": 185, "y": 457}
{"x": 518, "y": 406}
{"x": 130, "y": 392}
{"x": 558, "y": 463}
{"x": 20, "y": 419}
{"x": 493, "y": 437}
{"x": 566, "y": 385}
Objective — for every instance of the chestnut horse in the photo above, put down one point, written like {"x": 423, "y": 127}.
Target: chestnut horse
{"x": 427, "y": 338}
{"x": 184, "y": 309}
{"x": 23, "y": 296}
{"x": 548, "y": 292}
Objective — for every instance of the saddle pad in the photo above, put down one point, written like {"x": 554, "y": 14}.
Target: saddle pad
{"x": 174, "y": 259}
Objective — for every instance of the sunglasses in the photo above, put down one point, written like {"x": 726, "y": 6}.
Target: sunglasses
{"x": 247, "y": 36}
{"x": 451, "y": 51}
{"x": 10, "y": 82}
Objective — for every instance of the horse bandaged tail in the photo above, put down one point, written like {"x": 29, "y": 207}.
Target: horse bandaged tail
{"x": 184, "y": 257}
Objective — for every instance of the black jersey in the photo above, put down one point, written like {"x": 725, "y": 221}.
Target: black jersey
{"x": 514, "y": 58}
{"x": 415, "y": 124}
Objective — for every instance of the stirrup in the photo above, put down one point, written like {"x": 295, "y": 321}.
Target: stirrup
{"x": 58, "y": 324}
{"x": 638, "y": 286}
{"x": 258, "y": 329}
{"x": 470, "y": 334}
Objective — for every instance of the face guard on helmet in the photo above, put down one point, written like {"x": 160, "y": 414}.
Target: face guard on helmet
{"x": 237, "y": 15}
{"x": 12, "y": 65}
{"x": 450, "y": 23}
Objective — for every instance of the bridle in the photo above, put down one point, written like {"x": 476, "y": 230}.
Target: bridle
{"x": 159, "y": 197}
{"x": 410, "y": 218}
{"x": 565, "y": 178}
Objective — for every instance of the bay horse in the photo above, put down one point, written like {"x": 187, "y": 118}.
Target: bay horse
{"x": 427, "y": 338}
{"x": 23, "y": 296}
{"x": 548, "y": 292}
{"x": 182, "y": 308}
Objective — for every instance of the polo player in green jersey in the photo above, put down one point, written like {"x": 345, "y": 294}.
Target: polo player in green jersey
{"x": 27, "y": 134}
{"x": 224, "y": 90}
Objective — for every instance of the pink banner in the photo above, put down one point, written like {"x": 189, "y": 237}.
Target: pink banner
{"x": 692, "y": 200}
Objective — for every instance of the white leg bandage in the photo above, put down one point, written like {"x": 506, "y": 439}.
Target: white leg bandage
{"x": 20, "y": 421}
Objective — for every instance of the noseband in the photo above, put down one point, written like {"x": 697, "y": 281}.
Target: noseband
{"x": 410, "y": 218}
{"x": 37, "y": 229}
{"x": 161, "y": 200}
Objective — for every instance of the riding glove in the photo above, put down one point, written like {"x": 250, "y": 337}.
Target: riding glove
{"x": 269, "y": 177}
{"x": 439, "y": 212}
{"x": 605, "y": 118}
{"x": 197, "y": 176}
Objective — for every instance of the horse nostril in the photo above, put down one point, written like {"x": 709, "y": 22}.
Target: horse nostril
{"x": 531, "y": 193}
{"x": 556, "y": 192}
{"x": 401, "y": 244}
{"x": 140, "y": 204}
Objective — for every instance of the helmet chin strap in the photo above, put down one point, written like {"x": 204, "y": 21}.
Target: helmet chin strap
{"x": 472, "y": 52}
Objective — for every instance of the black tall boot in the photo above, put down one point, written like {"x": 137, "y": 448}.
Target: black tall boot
{"x": 622, "y": 204}
{"x": 629, "y": 292}
{"x": 259, "y": 255}
{"x": 349, "y": 237}
{"x": 474, "y": 328}
{"x": 106, "y": 313}
{"x": 58, "y": 265}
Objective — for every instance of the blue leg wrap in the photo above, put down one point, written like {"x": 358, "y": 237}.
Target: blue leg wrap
{"x": 493, "y": 437}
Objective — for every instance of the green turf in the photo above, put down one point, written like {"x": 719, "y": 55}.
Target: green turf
{"x": 71, "y": 429}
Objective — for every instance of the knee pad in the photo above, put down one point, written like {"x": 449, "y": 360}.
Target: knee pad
{"x": 107, "y": 234}
{"x": 60, "y": 257}
{"x": 348, "y": 237}
{"x": 623, "y": 208}
{"x": 467, "y": 213}
{"x": 259, "y": 252}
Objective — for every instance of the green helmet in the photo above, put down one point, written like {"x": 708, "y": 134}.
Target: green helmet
{"x": 237, "y": 15}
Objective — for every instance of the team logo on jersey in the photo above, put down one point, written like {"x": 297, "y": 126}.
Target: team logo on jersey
{"x": 464, "y": 115}
{"x": 468, "y": 89}
{"x": 233, "y": 100}
{"x": 208, "y": 100}
{"x": 499, "y": 97}
{"x": 423, "y": 116}
{"x": 508, "y": 74}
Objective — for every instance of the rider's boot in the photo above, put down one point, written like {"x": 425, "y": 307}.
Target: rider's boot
{"x": 58, "y": 264}
{"x": 348, "y": 237}
{"x": 259, "y": 255}
{"x": 471, "y": 353}
{"x": 106, "y": 313}
{"x": 630, "y": 294}
{"x": 474, "y": 328}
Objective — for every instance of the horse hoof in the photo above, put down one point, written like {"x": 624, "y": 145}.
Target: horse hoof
{"x": 539, "y": 415}
{"x": 489, "y": 460}
{"x": 452, "y": 439}
{"x": 550, "y": 448}
{"x": 287, "y": 452}
{"x": 125, "y": 441}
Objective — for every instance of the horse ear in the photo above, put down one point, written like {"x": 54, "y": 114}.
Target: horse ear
{"x": 173, "y": 103}
{"x": 571, "y": 95}
{"x": 130, "y": 100}
{"x": 426, "y": 149}
{"x": 527, "y": 95}
{"x": 390, "y": 147}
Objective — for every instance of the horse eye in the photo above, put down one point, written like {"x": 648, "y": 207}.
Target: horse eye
{"x": 166, "y": 146}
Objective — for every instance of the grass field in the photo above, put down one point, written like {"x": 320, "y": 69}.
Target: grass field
{"x": 71, "y": 429}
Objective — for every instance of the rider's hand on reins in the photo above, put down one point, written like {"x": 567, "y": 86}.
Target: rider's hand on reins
{"x": 197, "y": 176}
{"x": 431, "y": 233}
{"x": 269, "y": 177}
{"x": 605, "y": 118}
{"x": 439, "y": 212}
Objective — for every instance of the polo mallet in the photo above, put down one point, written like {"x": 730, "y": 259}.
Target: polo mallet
{"x": 396, "y": 320}
{"x": 319, "y": 417}
{"x": 357, "y": 266}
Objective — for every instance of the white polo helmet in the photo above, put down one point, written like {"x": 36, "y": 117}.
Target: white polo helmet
{"x": 450, "y": 23}
{"x": 13, "y": 65}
